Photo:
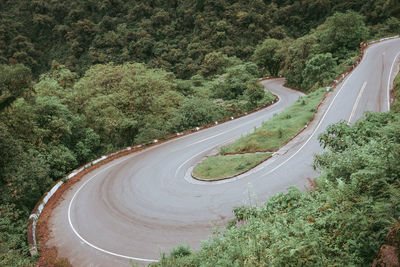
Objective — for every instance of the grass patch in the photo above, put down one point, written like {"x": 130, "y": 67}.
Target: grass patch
{"x": 220, "y": 167}
{"x": 278, "y": 130}
{"x": 396, "y": 90}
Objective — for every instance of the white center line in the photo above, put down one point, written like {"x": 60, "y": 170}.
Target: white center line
{"x": 357, "y": 101}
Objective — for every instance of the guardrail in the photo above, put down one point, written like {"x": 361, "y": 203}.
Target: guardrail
{"x": 41, "y": 204}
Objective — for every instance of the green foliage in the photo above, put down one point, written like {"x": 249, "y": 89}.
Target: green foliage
{"x": 390, "y": 27}
{"x": 25, "y": 172}
{"x": 314, "y": 59}
{"x": 180, "y": 251}
{"x": 220, "y": 167}
{"x": 320, "y": 69}
{"x": 14, "y": 81}
{"x": 341, "y": 221}
{"x": 115, "y": 99}
{"x": 297, "y": 54}
{"x": 254, "y": 93}
{"x": 341, "y": 34}
{"x": 13, "y": 248}
{"x": 61, "y": 160}
{"x": 195, "y": 112}
{"x": 236, "y": 80}
{"x": 396, "y": 91}
{"x": 340, "y": 136}
{"x": 214, "y": 63}
{"x": 268, "y": 56}
{"x": 279, "y": 129}
{"x": 176, "y": 37}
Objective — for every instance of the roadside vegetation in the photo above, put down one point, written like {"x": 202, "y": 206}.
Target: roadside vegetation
{"x": 220, "y": 167}
{"x": 279, "y": 129}
{"x": 269, "y": 137}
{"x": 82, "y": 78}
{"x": 396, "y": 93}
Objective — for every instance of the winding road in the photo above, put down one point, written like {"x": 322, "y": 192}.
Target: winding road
{"x": 145, "y": 203}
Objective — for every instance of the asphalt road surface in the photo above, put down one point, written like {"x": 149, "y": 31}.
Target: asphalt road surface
{"x": 140, "y": 205}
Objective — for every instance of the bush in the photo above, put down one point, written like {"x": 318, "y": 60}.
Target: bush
{"x": 180, "y": 251}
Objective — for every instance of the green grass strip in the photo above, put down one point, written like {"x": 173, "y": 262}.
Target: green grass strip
{"x": 396, "y": 91}
{"x": 279, "y": 129}
{"x": 220, "y": 167}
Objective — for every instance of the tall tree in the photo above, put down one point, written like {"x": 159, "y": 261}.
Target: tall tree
{"x": 320, "y": 69}
{"x": 14, "y": 81}
{"x": 268, "y": 57}
{"x": 341, "y": 34}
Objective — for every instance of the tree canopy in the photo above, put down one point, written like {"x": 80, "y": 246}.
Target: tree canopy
{"x": 268, "y": 57}
{"x": 174, "y": 36}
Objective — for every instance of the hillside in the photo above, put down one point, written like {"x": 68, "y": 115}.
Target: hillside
{"x": 173, "y": 35}
{"x": 82, "y": 78}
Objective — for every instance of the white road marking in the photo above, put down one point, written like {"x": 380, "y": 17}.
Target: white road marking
{"x": 211, "y": 137}
{"x": 87, "y": 242}
{"x": 227, "y": 131}
{"x": 186, "y": 161}
{"x": 389, "y": 83}
{"x": 353, "y": 111}
{"x": 234, "y": 128}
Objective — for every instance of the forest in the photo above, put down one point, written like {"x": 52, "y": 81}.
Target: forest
{"x": 79, "y": 79}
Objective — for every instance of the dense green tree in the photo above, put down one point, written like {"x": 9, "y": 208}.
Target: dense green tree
{"x": 296, "y": 57}
{"x": 23, "y": 51}
{"x": 114, "y": 99}
{"x": 390, "y": 27}
{"x": 23, "y": 183}
{"x": 268, "y": 57}
{"x": 14, "y": 81}
{"x": 342, "y": 33}
{"x": 236, "y": 80}
{"x": 213, "y": 63}
{"x": 52, "y": 118}
{"x": 79, "y": 34}
{"x": 26, "y": 181}
{"x": 196, "y": 112}
{"x": 61, "y": 160}
{"x": 163, "y": 116}
{"x": 320, "y": 70}
{"x": 13, "y": 248}
{"x": 254, "y": 92}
